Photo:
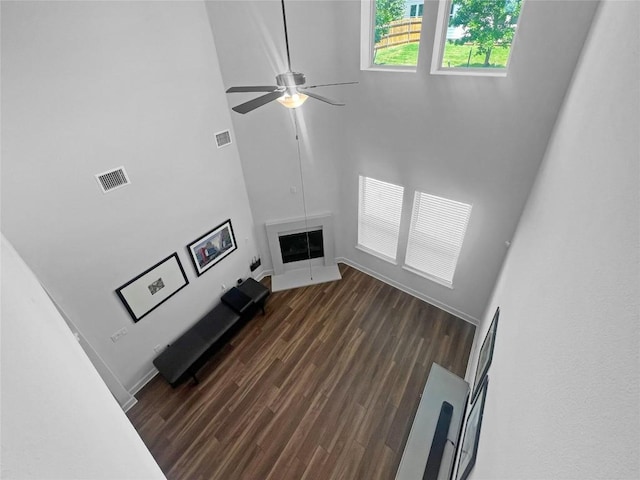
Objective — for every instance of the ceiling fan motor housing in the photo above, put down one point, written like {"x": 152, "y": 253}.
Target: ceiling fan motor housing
{"x": 290, "y": 80}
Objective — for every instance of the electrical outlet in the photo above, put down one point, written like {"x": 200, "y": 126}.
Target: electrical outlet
{"x": 223, "y": 287}
{"x": 158, "y": 348}
{"x": 119, "y": 334}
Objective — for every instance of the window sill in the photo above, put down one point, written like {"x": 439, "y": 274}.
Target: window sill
{"x": 390, "y": 68}
{"x": 377, "y": 254}
{"x": 437, "y": 280}
{"x": 471, "y": 72}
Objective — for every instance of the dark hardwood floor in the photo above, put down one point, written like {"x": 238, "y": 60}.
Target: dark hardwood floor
{"x": 324, "y": 386}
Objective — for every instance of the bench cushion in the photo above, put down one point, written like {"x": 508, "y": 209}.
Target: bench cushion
{"x": 186, "y": 350}
{"x": 257, "y": 291}
{"x": 237, "y": 300}
{"x": 177, "y": 358}
{"x": 215, "y": 323}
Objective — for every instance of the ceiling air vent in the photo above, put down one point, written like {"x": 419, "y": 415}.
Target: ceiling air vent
{"x": 223, "y": 138}
{"x": 113, "y": 179}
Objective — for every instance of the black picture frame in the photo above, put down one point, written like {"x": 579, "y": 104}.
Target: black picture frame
{"x": 486, "y": 355}
{"x": 469, "y": 443}
{"x": 458, "y": 443}
{"x": 147, "y": 291}
{"x": 210, "y": 248}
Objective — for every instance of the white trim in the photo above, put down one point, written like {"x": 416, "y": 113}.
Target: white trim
{"x": 471, "y": 72}
{"x": 364, "y": 249}
{"x": 139, "y": 385}
{"x": 439, "y": 38}
{"x": 437, "y": 280}
{"x": 275, "y": 228}
{"x": 472, "y": 354}
{"x": 392, "y": 68}
{"x": 130, "y": 403}
{"x": 366, "y": 40}
{"x": 264, "y": 273}
{"x": 467, "y": 318}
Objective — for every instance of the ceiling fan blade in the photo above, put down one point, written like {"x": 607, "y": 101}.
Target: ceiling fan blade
{"x": 324, "y": 99}
{"x": 258, "y": 88}
{"x": 331, "y": 84}
{"x": 257, "y": 102}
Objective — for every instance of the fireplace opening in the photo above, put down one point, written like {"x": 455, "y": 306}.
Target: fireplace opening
{"x": 294, "y": 246}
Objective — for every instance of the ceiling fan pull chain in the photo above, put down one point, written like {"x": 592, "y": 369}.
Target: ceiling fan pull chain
{"x": 304, "y": 201}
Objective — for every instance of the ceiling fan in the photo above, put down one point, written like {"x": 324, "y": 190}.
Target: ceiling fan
{"x": 289, "y": 89}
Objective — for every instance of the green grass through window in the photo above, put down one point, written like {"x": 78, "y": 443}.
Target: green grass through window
{"x": 454, "y": 56}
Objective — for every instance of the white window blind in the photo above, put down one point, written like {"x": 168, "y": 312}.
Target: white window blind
{"x": 379, "y": 211}
{"x": 437, "y": 230}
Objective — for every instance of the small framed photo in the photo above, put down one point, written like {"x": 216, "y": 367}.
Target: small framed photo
{"x": 152, "y": 287}
{"x": 486, "y": 355}
{"x": 469, "y": 448}
{"x": 212, "y": 247}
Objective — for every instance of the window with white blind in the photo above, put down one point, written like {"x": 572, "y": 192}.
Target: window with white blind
{"x": 379, "y": 211}
{"x": 438, "y": 226}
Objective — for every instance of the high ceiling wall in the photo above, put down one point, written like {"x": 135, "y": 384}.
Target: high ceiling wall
{"x": 477, "y": 140}
{"x": 564, "y": 383}
{"x": 88, "y": 86}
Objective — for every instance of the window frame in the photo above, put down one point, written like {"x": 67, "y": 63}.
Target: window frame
{"x": 428, "y": 275}
{"x": 367, "y": 24}
{"x": 440, "y": 41}
{"x": 367, "y": 249}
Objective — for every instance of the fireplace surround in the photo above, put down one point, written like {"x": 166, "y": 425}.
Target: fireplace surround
{"x": 302, "y": 272}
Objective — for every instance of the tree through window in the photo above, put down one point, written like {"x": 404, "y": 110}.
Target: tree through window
{"x": 479, "y": 34}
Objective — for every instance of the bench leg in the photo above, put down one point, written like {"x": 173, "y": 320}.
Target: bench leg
{"x": 195, "y": 379}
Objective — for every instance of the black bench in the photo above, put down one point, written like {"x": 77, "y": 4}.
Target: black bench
{"x": 193, "y": 348}
{"x": 257, "y": 291}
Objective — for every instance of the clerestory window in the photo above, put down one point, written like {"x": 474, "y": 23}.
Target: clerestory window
{"x": 391, "y": 32}
{"x": 475, "y": 37}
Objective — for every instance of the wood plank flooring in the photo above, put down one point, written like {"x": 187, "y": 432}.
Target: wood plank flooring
{"x": 324, "y": 386}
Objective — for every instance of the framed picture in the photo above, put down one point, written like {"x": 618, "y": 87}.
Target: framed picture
{"x": 469, "y": 448}
{"x": 153, "y": 287}
{"x": 212, "y": 247}
{"x": 486, "y": 355}
{"x": 458, "y": 443}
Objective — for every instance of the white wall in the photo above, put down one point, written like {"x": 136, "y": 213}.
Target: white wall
{"x": 58, "y": 418}
{"x": 249, "y": 37}
{"x": 477, "y": 140}
{"x": 87, "y": 86}
{"x": 563, "y": 391}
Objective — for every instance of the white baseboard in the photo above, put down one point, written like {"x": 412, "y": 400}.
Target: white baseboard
{"x": 129, "y": 403}
{"x": 143, "y": 381}
{"x": 263, "y": 273}
{"x": 467, "y": 318}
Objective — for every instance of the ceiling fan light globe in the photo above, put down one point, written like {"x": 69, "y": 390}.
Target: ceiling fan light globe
{"x": 292, "y": 101}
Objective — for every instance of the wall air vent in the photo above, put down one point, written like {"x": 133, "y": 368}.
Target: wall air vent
{"x": 113, "y": 179}
{"x": 223, "y": 138}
